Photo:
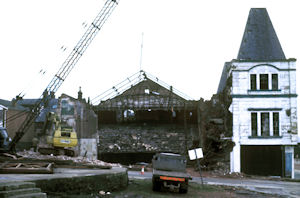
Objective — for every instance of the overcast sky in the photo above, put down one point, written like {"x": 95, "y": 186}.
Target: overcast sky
{"x": 186, "y": 42}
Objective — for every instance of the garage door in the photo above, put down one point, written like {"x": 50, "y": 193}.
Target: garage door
{"x": 261, "y": 160}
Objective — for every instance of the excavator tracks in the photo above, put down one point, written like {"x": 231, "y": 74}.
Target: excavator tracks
{"x": 56, "y": 151}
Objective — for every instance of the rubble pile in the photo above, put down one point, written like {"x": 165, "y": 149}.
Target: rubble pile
{"x": 221, "y": 168}
{"x": 28, "y": 154}
{"x": 216, "y": 134}
{"x": 136, "y": 138}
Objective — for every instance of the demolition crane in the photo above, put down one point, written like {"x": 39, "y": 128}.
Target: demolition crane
{"x": 65, "y": 69}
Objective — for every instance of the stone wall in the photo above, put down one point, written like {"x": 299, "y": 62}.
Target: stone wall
{"x": 144, "y": 138}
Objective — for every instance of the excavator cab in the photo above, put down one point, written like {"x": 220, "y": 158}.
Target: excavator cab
{"x": 61, "y": 139}
{"x": 65, "y": 137}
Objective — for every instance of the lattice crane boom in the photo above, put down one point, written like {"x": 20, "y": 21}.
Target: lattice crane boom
{"x": 65, "y": 68}
{"x": 81, "y": 46}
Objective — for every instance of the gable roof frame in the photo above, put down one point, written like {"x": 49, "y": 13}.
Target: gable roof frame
{"x": 133, "y": 93}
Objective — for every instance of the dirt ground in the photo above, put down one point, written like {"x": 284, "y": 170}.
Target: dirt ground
{"x": 143, "y": 189}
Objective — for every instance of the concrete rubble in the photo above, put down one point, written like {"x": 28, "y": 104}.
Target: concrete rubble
{"x": 215, "y": 132}
{"x": 31, "y": 155}
{"x": 135, "y": 138}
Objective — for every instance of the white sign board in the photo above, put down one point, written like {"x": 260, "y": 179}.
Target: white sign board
{"x": 195, "y": 154}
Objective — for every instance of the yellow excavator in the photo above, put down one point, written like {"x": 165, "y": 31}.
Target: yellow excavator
{"x": 60, "y": 138}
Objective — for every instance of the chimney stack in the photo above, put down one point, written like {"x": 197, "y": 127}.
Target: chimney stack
{"x": 80, "y": 94}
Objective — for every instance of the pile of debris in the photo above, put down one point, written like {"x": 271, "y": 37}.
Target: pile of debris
{"x": 221, "y": 169}
{"x": 30, "y": 162}
{"x": 61, "y": 160}
{"x": 216, "y": 134}
{"x": 146, "y": 138}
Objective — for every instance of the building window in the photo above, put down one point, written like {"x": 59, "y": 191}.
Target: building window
{"x": 274, "y": 81}
{"x": 253, "y": 81}
{"x": 254, "y": 124}
{"x": 268, "y": 125}
{"x": 2, "y": 118}
{"x": 265, "y": 124}
{"x": 264, "y": 81}
{"x": 275, "y": 124}
{"x": 129, "y": 115}
{"x": 67, "y": 108}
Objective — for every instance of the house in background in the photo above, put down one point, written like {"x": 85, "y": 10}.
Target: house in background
{"x": 3, "y": 111}
{"x": 261, "y": 84}
{"x": 75, "y": 111}
{"x": 15, "y": 115}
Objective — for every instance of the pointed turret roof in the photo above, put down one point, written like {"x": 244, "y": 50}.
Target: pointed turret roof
{"x": 260, "y": 41}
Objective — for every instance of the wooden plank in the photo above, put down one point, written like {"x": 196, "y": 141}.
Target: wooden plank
{"x": 27, "y": 168}
{"x": 3, "y": 164}
{"x": 9, "y": 155}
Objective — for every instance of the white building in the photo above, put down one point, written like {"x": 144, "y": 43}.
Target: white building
{"x": 262, "y": 86}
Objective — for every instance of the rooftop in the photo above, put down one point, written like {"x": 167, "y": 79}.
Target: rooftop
{"x": 260, "y": 41}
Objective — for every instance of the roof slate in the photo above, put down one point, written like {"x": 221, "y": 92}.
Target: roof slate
{"x": 9, "y": 105}
{"x": 260, "y": 41}
{"x": 26, "y": 104}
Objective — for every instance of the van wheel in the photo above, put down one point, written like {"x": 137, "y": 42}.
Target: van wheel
{"x": 155, "y": 185}
{"x": 183, "y": 188}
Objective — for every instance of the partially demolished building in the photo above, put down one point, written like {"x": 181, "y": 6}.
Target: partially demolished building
{"x": 260, "y": 85}
{"x": 145, "y": 115}
{"x": 76, "y": 112}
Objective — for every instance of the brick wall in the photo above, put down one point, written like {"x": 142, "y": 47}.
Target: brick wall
{"x": 14, "y": 124}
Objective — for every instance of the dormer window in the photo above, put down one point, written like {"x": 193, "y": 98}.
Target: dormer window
{"x": 253, "y": 81}
{"x": 264, "y": 81}
{"x": 274, "y": 81}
